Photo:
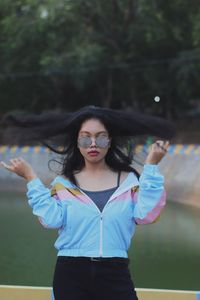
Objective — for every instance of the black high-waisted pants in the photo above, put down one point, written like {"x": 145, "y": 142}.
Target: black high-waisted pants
{"x": 82, "y": 279}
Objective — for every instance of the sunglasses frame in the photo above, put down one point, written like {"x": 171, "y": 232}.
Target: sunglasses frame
{"x": 96, "y": 141}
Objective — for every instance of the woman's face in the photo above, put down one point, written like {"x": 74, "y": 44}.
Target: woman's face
{"x": 93, "y": 140}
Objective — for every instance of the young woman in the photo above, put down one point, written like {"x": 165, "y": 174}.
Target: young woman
{"x": 98, "y": 199}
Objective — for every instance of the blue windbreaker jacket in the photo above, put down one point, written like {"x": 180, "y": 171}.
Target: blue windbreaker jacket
{"x": 83, "y": 230}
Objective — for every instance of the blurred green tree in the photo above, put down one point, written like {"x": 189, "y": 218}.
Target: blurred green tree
{"x": 57, "y": 54}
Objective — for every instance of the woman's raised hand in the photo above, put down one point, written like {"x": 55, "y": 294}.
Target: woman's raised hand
{"x": 157, "y": 151}
{"x": 20, "y": 167}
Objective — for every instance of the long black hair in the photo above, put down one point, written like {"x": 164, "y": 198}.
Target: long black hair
{"x": 65, "y": 127}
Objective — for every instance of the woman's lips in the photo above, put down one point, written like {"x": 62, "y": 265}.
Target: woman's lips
{"x": 93, "y": 153}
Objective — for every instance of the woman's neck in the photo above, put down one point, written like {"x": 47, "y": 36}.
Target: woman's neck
{"x": 95, "y": 167}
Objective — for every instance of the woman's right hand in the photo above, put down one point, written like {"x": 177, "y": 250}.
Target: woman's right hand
{"x": 157, "y": 151}
{"x": 20, "y": 167}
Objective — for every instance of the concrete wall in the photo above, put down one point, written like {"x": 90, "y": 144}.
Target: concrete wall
{"x": 182, "y": 173}
{"x": 38, "y": 157}
{"x": 181, "y": 168}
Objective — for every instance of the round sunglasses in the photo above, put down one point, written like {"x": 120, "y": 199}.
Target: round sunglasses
{"x": 100, "y": 141}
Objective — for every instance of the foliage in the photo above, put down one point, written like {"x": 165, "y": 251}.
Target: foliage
{"x": 57, "y": 54}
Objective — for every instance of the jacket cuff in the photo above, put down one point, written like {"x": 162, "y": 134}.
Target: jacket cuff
{"x": 151, "y": 169}
{"x": 33, "y": 183}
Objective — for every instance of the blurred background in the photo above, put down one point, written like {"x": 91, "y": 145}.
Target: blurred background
{"x": 138, "y": 55}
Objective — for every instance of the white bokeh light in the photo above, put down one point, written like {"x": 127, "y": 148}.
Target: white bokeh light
{"x": 157, "y": 99}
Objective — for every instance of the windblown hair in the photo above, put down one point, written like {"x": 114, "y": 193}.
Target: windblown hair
{"x": 120, "y": 124}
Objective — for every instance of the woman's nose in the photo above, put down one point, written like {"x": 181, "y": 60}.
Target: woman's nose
{"x": 93, "y": 140}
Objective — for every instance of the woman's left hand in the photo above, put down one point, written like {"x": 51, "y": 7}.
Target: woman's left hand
{"x": 157, "y": 151}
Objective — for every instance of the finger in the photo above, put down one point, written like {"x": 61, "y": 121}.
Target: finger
{"x": 161, "y": 145}
{"x": 162, "y": 142}
{"x": 4, "y": 164}
{"x": 8, "y": 167}
{"x": 18, "y": 159}
{"x": 166, "y": 145}
{"x": 15, "y": 161}
{"x": 12, "y": 162}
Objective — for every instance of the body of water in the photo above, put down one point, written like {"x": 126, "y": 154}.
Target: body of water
{"x": 162, "y": 255}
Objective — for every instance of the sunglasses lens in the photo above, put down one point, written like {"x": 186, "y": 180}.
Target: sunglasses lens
{"x": 102, "y": 141}
{"x": 84, "y": 142}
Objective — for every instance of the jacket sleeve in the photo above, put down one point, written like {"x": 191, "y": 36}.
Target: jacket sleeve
{"x": 150, "y": 196}
{"x": 48, "y": 208}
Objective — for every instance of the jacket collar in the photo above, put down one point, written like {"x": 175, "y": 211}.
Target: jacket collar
{"x": 130, "y": 182}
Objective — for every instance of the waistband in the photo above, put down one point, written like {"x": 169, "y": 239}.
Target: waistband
{"x": 93, "y": 259}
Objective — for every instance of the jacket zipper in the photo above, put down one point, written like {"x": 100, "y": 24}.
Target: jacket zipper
{"x": 101, "y": 237}
{"x": 101, "y": 223}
